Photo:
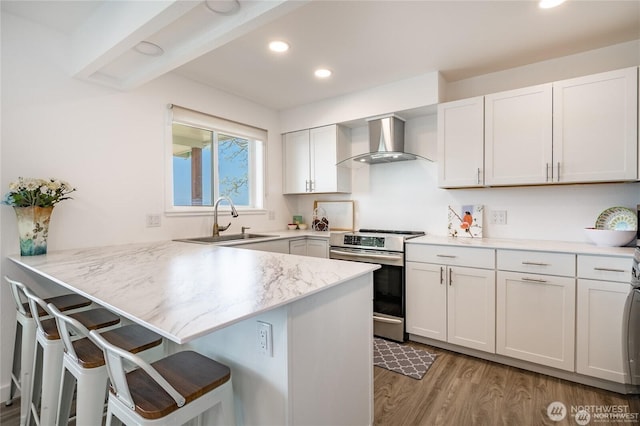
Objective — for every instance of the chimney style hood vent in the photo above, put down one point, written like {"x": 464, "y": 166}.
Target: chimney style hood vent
{"x": 386, "y": 141}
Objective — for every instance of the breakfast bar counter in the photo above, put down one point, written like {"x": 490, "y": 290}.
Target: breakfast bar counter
{"x": 318, "y": 369}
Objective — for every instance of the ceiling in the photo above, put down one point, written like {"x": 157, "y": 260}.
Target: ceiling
{"x": 364, "y": 43}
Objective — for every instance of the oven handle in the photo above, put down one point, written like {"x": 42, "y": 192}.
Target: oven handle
{"x": 367, "y": 255}
{"x": 387, "y": 320}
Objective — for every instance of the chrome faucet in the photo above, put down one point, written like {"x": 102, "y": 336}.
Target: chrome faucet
{"x": 217, "y": 228}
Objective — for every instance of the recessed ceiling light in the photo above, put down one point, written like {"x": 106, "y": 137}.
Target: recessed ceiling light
{"x": 278, "y": 46}
{"x": 548, "y": 4}
{"x": 223, "y": 7}
{"x": 148, "y": 48}
{"x": 322, "y": 73}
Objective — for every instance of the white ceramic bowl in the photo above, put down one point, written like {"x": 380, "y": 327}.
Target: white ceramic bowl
{"x": 608, "y": 237}
{"x": 292, "y": 226}
{"x": 302, "y": 225}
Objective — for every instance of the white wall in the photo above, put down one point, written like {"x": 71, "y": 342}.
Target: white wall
{"x": 405, "y": 195}
{"x": 109, "y": 144}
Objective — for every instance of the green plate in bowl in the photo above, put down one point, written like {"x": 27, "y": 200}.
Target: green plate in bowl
{"x": 618, "y": 218}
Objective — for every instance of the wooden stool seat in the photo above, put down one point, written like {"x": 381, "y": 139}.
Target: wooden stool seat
{"x": 132, "y": 338}
{"x": 92, "y": 319}
{"x": 190, "y": 373}
{"x": 66, "y": 302}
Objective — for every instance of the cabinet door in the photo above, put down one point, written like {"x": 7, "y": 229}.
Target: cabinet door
{"x": 518, "y": 136}
{"x": 461, "y": 143}
{"x": 298, "y": 247}
{"x": 599, "y": 326}
{"x": 535, "y": 318}
{"x": 317, "y": 248}
{"x": 296, "y": 172}
{"x": 471, "y": 308}
{"x": 324, "y": 176}
{"x": 426, "y": 306}
{"x": 595, "y": 127}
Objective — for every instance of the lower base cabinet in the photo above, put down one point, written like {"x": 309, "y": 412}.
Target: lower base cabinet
{"x": 314, "y": 247}
{"x": 452, "y": 303}
{"x": 600, "y": 329}
{"x": 535, "y": 318}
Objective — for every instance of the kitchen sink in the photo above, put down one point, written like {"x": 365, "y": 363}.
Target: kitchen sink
{"x": 222, "y": 238}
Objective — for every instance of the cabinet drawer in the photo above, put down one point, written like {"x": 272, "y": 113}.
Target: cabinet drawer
{"x": 562, "y": 264}
{"x": 451, "y": 255}
{"x": 605, "y": 268}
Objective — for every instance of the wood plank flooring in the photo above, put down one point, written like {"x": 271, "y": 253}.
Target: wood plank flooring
{"x": 461, "y": 390}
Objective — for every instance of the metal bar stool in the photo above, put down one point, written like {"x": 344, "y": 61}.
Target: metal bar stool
{"x": 24, "y": 346}
{"x": 47, "y": 365}
{"x": 169, "y": 392}
{"x": 83, "y": 365}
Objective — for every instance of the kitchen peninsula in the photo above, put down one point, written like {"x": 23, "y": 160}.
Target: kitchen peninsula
{"x": 210, "y": 298}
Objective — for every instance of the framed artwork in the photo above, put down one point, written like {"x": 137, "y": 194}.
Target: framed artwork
{"x": 465, "y": 221}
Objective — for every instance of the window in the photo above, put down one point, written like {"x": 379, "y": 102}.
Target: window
{"x": 213, "y": 157}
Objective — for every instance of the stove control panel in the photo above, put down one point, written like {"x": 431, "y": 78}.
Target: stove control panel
{"x": 363, "y": 241}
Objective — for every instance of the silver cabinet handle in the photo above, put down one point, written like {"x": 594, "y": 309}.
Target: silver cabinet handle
{"x": 449, "y": 256}
{"x": 450, "y": 277}
{"x": 547, "y": 172}
{"x": 609, "y": 270}
{"x": 535, "y": 280}
{"x": 478, "y": 176}
{"x": 311, "y": 186}
{"x": 306, "y": 186}
{"x": 441, "y": 275}
{"x": 558, "y": 177}
{"x": 525, "y": 262}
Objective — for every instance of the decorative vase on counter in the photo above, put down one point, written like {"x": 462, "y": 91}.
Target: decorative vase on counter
{"x": 33, "y": 229}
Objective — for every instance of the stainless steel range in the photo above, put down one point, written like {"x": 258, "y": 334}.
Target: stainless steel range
{"x": 386, "y": 248}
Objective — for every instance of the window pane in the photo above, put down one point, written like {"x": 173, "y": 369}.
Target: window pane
{"x": 191, "y": 166}
{"x": 233, "y": 168}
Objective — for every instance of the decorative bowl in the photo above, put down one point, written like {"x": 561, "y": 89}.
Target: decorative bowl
{"x": 302, "y": 226}
{"x": 292, "y": 226}
{"x": 609, "y": 237}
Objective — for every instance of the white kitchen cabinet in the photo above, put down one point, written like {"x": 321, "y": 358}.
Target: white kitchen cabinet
{"x": 274, "y": 246}
{"x": 603, "y": 287}
{"x": 461, "y": 143}
{"x": 314, "y": 247}
{"x": 449, "y": 302}
{"x": 595, "y": 121}
{"x": 518, "y": 132}
{"x": 310, "y": 157}
{"x": 535, "y": 313}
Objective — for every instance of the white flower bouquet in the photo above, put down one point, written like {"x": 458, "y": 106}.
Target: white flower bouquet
{"x": 26, "y": 192}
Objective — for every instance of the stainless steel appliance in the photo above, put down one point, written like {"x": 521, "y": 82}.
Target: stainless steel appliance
{"x": 631, "y": 332}
{"x": 385, "y": 248}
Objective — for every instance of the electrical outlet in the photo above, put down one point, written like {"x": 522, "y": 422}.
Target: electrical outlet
{"x": 153, "y": 220}
{"x": 265, "y": 339}
{"x": 499, "y": 217}
{"x": 272, "y": 215}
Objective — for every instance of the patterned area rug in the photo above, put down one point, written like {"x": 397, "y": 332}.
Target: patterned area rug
{"x": 401, "y": 359}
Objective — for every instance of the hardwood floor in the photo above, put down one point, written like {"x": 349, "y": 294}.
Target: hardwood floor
{"x": 462, "y": 390}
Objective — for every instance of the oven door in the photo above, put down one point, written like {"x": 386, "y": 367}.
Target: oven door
{"x": 388, "y": 289}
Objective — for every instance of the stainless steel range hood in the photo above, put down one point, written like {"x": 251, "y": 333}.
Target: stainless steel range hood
{"x": 386, "y": 141}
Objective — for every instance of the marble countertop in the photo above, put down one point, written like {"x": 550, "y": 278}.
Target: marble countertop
{"x": 183, "y": 291}
{"x": 535, "y": 245}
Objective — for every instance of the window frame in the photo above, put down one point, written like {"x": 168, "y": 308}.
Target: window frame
{"x": 256, "y": 161}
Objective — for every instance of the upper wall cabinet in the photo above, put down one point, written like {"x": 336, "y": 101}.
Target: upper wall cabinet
{"x": 310, "y": 157}
{"x": 573, "y": 131}
{"x": 518, "y": 136}
{"x": 461, "y": 143}
{"x": 595, "y": 127}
